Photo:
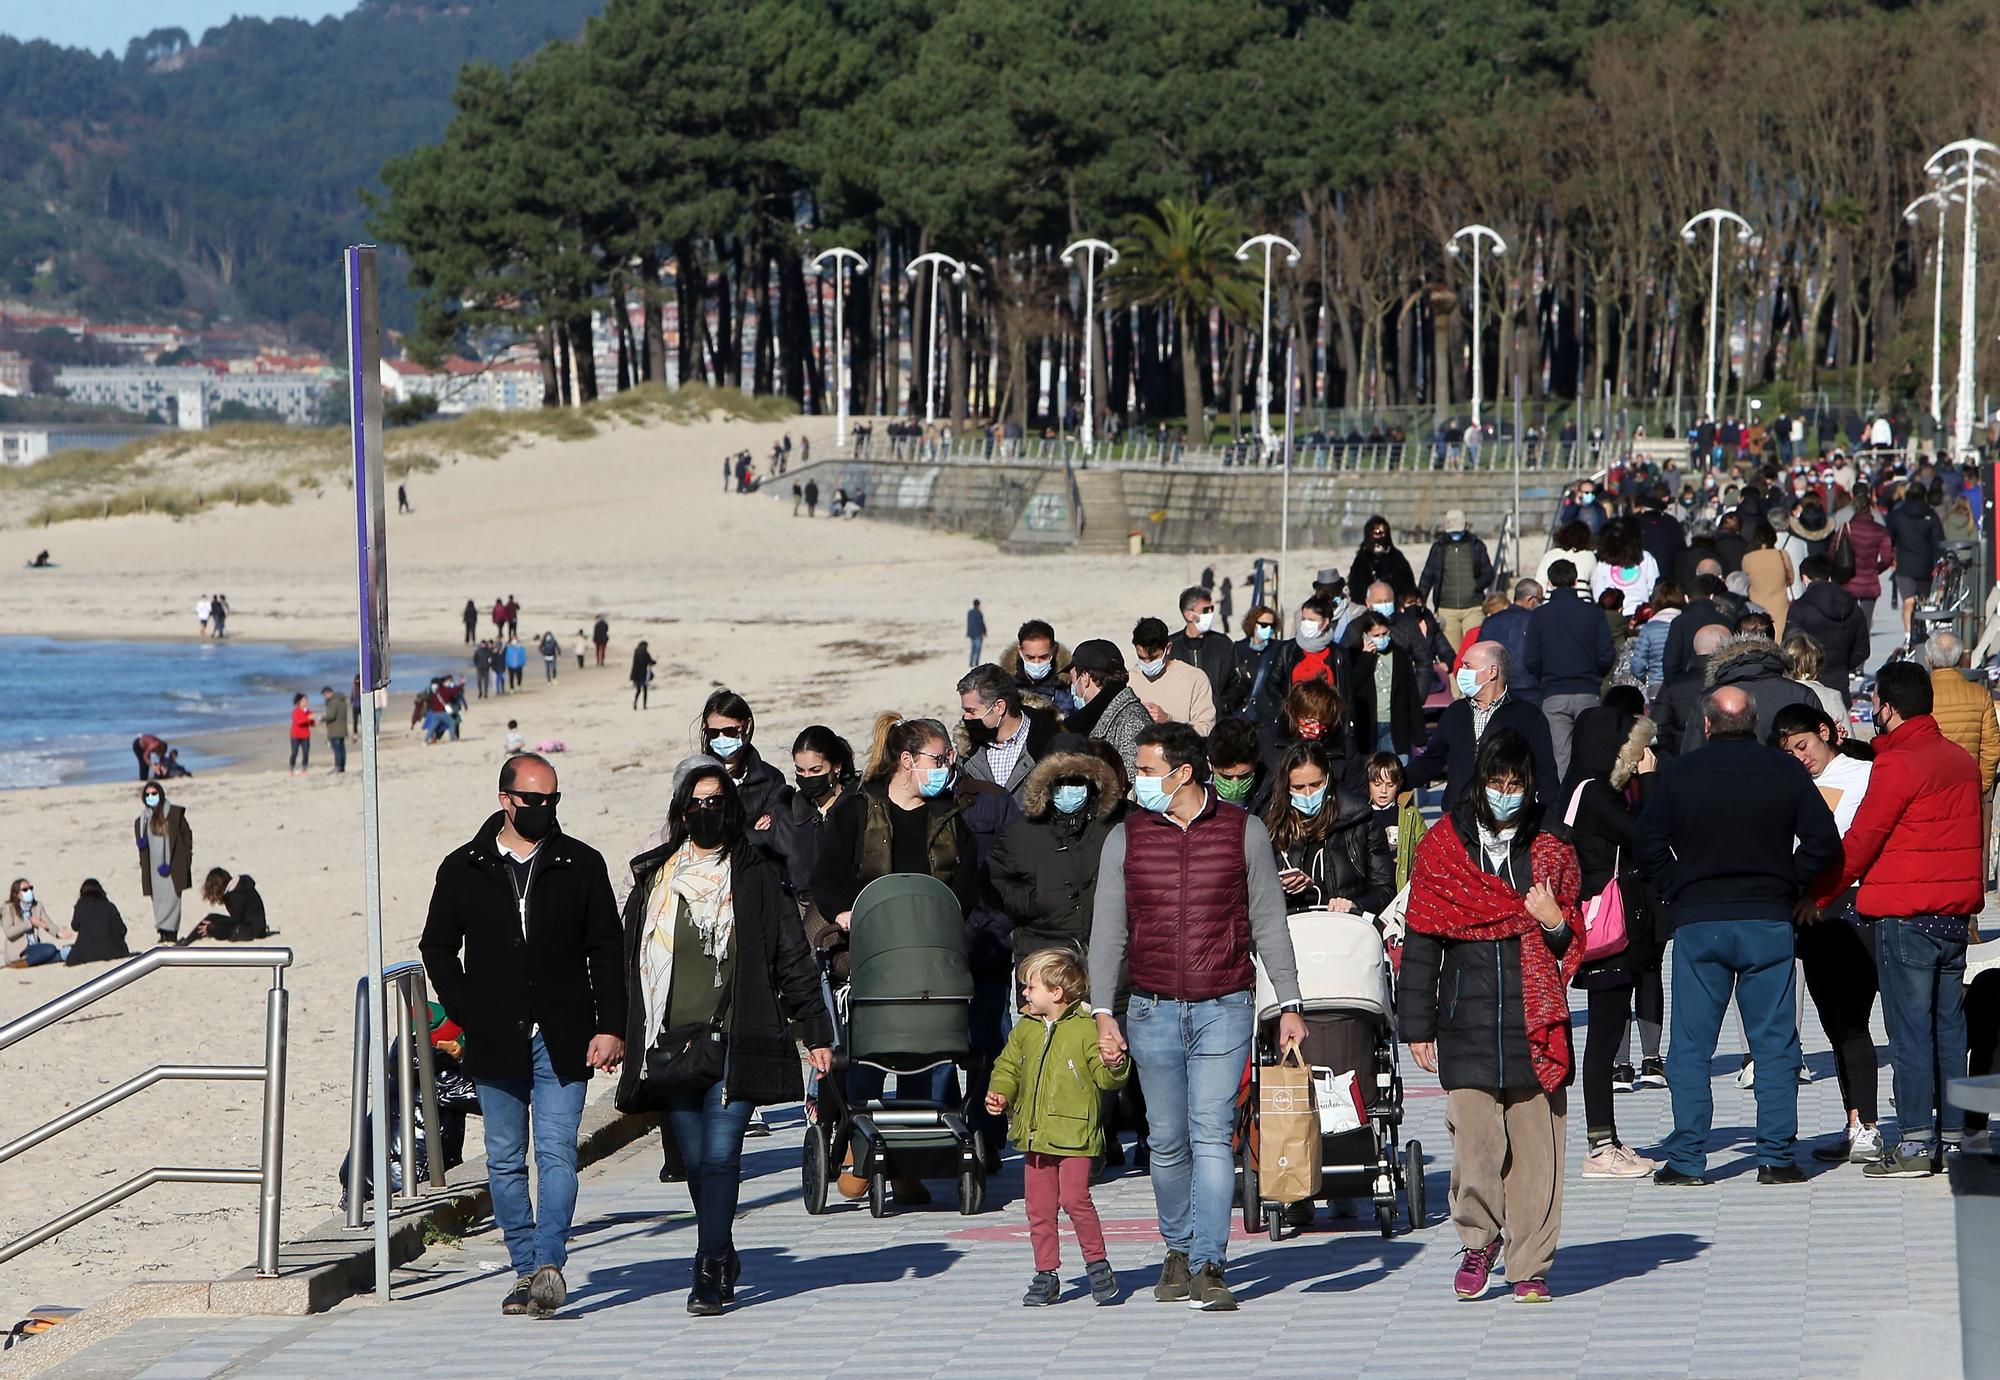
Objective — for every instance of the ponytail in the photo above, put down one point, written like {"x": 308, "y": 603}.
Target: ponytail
{"x": 895, "y": 735}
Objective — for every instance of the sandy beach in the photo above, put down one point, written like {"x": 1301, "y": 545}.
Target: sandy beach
{"x": 823, "y": 621}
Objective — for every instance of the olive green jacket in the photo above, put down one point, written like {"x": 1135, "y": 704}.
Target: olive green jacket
{"x": 1052, "y": 1076}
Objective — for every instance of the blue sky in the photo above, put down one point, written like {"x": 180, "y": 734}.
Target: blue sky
{"x": 102, "y": 24}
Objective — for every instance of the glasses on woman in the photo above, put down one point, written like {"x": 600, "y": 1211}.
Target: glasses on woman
{"x": 705, "y": 802}
{"x": 943, "y": 759}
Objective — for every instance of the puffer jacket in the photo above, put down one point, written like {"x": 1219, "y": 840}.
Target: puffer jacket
{"x": 1964, "y": 713}
{"x": 1756, "y": 666}
{"x": 1350, "y": 862}
{"x": 1874, "y": 553}
{"x": 1044, "y": 865}
{"x": 1186, "y": 893}
{"x": 1918, "y": 537}
{"x": 1833, "y": 617}
{"x": 1053, "y": 1079}
{"x": 1649, "y": 647}
{"x": 1915, "y": 842}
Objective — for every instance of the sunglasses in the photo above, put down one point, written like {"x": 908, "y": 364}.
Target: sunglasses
{"x": 727, "y": 731}
{"x": 705, "y": 802}
{"x": 536, "y": 797}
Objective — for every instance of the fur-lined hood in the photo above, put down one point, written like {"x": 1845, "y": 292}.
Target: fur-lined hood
{"x": 1035, "y": 796}
{"x": 1745, "y": 658}
{"x": 1636, "y": 743}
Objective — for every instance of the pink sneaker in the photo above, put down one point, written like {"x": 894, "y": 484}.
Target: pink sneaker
{"x": 1532, "y": 1291}
{"x": 1474, "y": 1269}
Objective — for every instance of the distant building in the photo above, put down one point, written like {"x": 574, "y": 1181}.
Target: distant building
{"x": 148, "y": 389}
{"x": 463, "y": 385}
{"x": 26, "y": 443}
{"x": 14, "y": 374}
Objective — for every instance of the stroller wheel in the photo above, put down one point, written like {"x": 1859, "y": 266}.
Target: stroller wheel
{"x": 971, "y": 1190}
{"x": 1413, "y": 1183}
{"x": 812, "y": 1171}
{"x": 1385, "y": 1218}
{"x": 1247, "y": 1194}
{"x": 878, "y": 1194}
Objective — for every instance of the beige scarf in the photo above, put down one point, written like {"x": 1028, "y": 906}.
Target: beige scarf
{"x": 704, "y": 884}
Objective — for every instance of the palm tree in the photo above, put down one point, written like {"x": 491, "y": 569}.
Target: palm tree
{"x": 1184, "y": 258}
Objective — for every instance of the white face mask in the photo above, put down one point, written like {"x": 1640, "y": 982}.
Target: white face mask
{"x": 1205, "y": 622}
{"x": 27, "y": 897}
{"x": 1151, "y": 669}
{"x": 1038, "y": 670}
{"x": 1308, "y": 628}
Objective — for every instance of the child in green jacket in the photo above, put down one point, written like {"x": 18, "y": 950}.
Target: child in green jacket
{"x": 1052, "y": 1074}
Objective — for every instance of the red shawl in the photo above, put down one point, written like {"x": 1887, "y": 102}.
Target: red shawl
{"x": 1450, "y": 896}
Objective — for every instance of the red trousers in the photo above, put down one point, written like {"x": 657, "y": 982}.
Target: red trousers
{"x": 1061, "y": 1181}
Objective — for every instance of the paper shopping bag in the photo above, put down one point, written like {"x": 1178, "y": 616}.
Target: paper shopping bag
{"x": 1288, "y": 1131}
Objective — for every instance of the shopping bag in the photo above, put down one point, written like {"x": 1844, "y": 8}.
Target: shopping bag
{"x": 1339, "y": 1098}
{"x": 1288, "y": 1131}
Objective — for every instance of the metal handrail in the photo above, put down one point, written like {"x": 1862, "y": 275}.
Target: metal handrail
{"x": 413, "y": 997}
{"x": 270, "y": 1172}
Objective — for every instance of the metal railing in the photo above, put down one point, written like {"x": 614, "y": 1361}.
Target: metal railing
{"x": 1145, "y": 453}
{"x": 414, "y": 1027}
{"x": 270, "y": 1172}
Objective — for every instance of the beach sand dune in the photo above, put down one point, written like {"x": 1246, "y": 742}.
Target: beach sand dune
{"x": 826, "y": 621}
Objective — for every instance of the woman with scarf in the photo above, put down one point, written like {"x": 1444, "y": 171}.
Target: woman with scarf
{"x": 166, "y": 858}
{"x": 716, "y": 965}
{"x": 1494, "y": 937}
{"x": 1330, "y": 854}
{"x": 1378, "y": 559}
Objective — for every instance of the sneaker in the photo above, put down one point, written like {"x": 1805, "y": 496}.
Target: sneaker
{"x": 518, "y": 1302}
{"x": 1103, "y": 1281}
{"x": 1532, "y": 1291}
{"x": 1475, "y": 1268}
{"x": 1605, "y": 1162}
{"x": 1746, "y": 1076}
{"x": 1666, "y": 1176}
{"x": 1043, "y": 1290}
{"x": 1909, "y": 1160}
{"x": 1173, "y": 1285}
{"x": 1805, "y": 1074}
{"x": 1866, "y": 1145}
{"x": 1780, "y": 1174}
{"x": 548, "y": 1290}
{"x": 1207, "y": 1293}
{"x": 757, "y": 1125}
{"x": 1979, "y": 1143}
{"x": 1652, "y": 1073}
{"x": 1623, "y": 1078}
{"x": 850, "y": 1185}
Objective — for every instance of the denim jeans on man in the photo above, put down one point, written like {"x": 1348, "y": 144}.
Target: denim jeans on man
{"x": 1190, "y": 1057}
{"x": 710, "y": 1135}
{"x": 339, "y": 746}
{"x": 1922, "y": 977}
{"x": 1755, "y": 958}
{"x": 534, "y": 1239}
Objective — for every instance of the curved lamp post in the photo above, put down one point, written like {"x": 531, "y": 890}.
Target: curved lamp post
{"x": 1715, "y": 216}
{"x": 839, "y": 259}
{"x": 1475, "y": 233}
{"x": 1268, "y": 243}
{"x": 937, "y": 261}
{"x": 1938, "y": 166}
{"x": 1942, "y": 199}
{"x": 1090, "y": 249}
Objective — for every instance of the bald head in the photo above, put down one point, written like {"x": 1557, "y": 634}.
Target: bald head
{"x": 1943, "y": 650}
{"x": 1488, "y": 662}
{"x": 1710, "y": 566}
{"x": 1708, "y": 639}
{"x": 1728, "y": 712}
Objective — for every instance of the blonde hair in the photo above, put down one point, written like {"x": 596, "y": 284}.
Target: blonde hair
{"x": 1059, "y": 970}
{"x": 895, "y": 735}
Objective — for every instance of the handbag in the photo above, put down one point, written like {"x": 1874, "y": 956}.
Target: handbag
{"x": 1603, "y": 914}
{"x": 1840, "y": 556}
{"x": 690, "y": 1056}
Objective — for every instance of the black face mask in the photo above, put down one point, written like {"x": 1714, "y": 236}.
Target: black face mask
{"x": 979, "y": 732}
{"x": 533, "y": 822}
{"x": 814, "y": 788}
{"x": 705, "y": 828}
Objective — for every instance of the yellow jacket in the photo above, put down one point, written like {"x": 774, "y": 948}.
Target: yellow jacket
{"x": 1964, "y": 713}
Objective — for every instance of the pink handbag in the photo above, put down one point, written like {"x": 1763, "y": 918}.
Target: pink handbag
{"x": 1604, "y": 913}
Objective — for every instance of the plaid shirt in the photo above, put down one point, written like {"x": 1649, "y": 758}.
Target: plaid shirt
{"x": 1002, "y": 755}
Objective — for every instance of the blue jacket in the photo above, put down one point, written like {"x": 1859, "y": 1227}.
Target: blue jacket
{"x": 516, "y": 656}
{"x": 1569, "y": 645}
{"x": 975, "y": 623}
{"x": 1509, "y": 628}
{"x": 1649, "y": 649}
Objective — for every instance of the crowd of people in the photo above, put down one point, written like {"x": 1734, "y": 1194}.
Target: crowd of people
{"x": 1640, "y": 762}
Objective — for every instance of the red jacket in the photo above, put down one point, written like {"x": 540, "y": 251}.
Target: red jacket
{"x": 1914, "y": 845}
{"x": 1873, "y": 554}
{"x": 1187, "y": 902}
{"x": 302, "y": 721}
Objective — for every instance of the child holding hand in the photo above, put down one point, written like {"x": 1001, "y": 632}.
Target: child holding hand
{"x": 1053, "y": 1075}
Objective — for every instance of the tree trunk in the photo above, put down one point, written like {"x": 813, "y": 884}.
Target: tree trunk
{"x": 545, "y": 355}
{"x": 584, "y": 356}
{"x": 653, "y": 332}
{"x": 1197, "y": 423}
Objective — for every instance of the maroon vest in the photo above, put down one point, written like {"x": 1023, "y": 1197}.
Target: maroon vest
{"x": 1187, "y": 903}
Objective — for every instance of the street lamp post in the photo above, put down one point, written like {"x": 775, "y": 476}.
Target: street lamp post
{"x": 937, "y": 261}
{"x": 1268, "y": 243}
{"x": 1090, "y": 249}
{"x": 1474, "y": 233}
{"x": 1715, "y": 216}
{"x": 1941, "y": 198}
{"x": 839, "y": 259}
{"x": 1936, "y": 166}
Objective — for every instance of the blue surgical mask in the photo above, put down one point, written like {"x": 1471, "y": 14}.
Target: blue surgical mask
{"x": 724, "y": 747}
{"x": 1069, "y": 799}
{"x": 1504, "y": 804}
{"x": 1309, "y": 802}
{"x": 1038, "y": 670}
{"x": 1468, "y": 681}
{"x": 1589, "y": 498}
{"x": 1386, "y": 610}
{"x": 1151, "y": 669}
{"x": 1151, "y": 792}
{"x": 1263, "y": 635}
{"x": 1379, "y": 643}
{"x": 1337, "y": 602}
{"x": 934, "y": 782}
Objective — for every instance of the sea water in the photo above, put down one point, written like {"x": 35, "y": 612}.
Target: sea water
{"x": 69, "y": 710}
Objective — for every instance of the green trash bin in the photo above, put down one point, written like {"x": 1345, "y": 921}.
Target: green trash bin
{"x": 910, "y": 982}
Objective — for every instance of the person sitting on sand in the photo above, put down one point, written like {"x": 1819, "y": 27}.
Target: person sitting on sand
{"x": 32, "y": 936}
{"x": 241, "y": 918}
{"x": 99, "y": 928}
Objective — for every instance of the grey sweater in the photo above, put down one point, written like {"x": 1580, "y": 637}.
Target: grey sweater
{"x": 1270, "y": 934}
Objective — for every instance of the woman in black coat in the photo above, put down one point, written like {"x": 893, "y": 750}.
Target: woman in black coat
{"x": 1379, "y": 559}
{"x": 99, "y": 928}
{"x": 643, "y": 662}
{"x": 1381, "y": 725}
{"x": 241, "y": 919}
{"x": 716, "y": 965}
{"x": 725, "y": 729}
{"x": 1330, "y": 854}
{"x": 1045, "y": 863}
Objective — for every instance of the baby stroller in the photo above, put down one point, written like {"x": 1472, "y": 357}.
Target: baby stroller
{"x": 1344, "y": 979}
{"x": 908, "y": 1011}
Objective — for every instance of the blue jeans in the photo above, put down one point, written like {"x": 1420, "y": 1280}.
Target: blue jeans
{"x": 710, "y": 1135}
{"x": 533, "y": 1240}
{"x": 1755, "y": 958}
{"x": 1190, "y": 1058}
{"x": 1923, "y": 1006}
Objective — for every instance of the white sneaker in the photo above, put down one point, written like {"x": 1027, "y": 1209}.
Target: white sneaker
{"x": 1805, "y": 1074}
{"x": 1746, "y": 1077}
{"x": 1613, "y": 1162}
{"x": 1639, "y": 1162}
{"x": 1865, "y": 1146}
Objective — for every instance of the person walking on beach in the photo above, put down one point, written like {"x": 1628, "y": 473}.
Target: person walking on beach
{"x": 402, "y": 498}
{"x": 581, "y": 648}
{"x": 302, "y": 740}
{"x": 334, "y": 711}
{"x": 551, "y": 651}
{"x": 202, "y": 608}
{"x": 218, "y": 614}
{"x": 513, "y": 617}
{"x": 812, "y": 497}
{"x": 516, "y": 657}
{"x": 482, "y": 665}
{"x": 975, "y": 630}
{"x": 499, "y": 620}
{"x": 600, "y": 637}
{"x": 471, "y": 620}
{"x": 166, "y": 858}
{"x": 642, "y": 676}
{"x": 523, "y": 947}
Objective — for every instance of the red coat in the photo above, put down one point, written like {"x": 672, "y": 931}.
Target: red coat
{"x": 302, "y": 721}
{"x": 1914, "y": 845}
{"x": 1873, "y": 554}
{"x": 1187, "y": 902}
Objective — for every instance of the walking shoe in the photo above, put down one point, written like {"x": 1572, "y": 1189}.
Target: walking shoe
{"x": 705, "y": 1298}
{"x": 1532, "y": 1291}
{"x": 1623, "y": 1079}
{"x": 1605, "y": 1162}
{"x": 1979, "y": 1143}
{"x": 1805, "y": 1073}
{"x": 1666, "y": 1176}
{"x": 850, "y": 1184}
{"x": 1637, "y": 1160}
{"x": 1103, "y": 1281}
{"x": 1475, "y": 1268}
{"x": 1173, "y": 1285}
{"x": 1909, "y": 1160}
{"x": 548, "y": 1290}
{"x": 1652, "y": 1073}
{"x": 1838, "y": 1149}
{"x": 1780, "y": 1174}
{"x": 1043, "y": 1290}
{"x": 1746, "y": 1076}
{"x": 1207, "y": 1293}
{"x": 1866, "y": 1146}
{"x": 757, "y": 1125}
{"x": 732, "y": 1270}
{"x": 518, "y": 1300}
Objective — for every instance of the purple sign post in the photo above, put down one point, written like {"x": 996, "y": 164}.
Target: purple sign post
{"x": 364, "y": 385}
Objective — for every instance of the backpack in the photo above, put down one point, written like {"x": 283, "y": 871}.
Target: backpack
{"x": 1840, "y": 556}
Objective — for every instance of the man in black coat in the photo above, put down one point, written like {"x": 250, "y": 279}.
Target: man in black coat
{"x": 1569, "y": 653}
{"x": 1755, "y": 665}
{"x": 1207, "y": 648}
{"x": 1918, "y": 537}
{"x": 1678, "y": 703}
{"x": 1704, "y": 610}
{"x": 1467, "y": 720}
{"x": 1833, "y": 617}
{"x": 523, "y": 947}
{"x": 1660, "y": 533}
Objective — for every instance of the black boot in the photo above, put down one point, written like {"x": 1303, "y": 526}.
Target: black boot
{"x": 730, "y": 1274}
{"x": 705, "y": 1299}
